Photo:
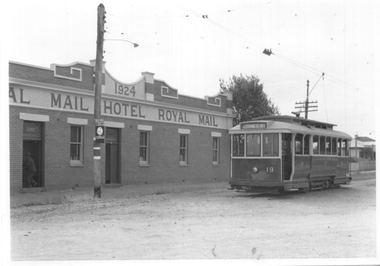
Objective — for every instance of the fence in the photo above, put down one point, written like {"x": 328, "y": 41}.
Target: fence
{"x": 363, "y": 166}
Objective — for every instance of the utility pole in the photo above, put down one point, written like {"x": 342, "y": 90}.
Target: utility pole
{"x": 99, "y": 123}
{"x": 305, "y": 105}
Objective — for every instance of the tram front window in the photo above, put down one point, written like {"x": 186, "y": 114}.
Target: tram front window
{"x": 238, "y": 145}
{"x": 270, "y": 144}
{"x": 253, "y": 145}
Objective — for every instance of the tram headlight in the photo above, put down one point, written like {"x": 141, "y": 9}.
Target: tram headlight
{"x": 255, "y": 170}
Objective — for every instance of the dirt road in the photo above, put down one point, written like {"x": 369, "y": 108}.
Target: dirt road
{"x": 212, "y": 224}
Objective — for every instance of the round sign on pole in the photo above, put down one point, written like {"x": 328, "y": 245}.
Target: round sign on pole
{"x": 99, "y": 130}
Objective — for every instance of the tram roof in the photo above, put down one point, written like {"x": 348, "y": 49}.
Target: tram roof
{"x": 290, "y": 124}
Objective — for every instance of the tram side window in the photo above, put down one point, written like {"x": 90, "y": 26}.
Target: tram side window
{"x": 270, "y": 144}
{"x": 339, "y": 147}
{"x": 306, "y": 145}
{"x": 343, "y": 147}
{"x": 315, "y": 144}
{"x": 322, "y": 145}
{"x": 253, "y": 145}
{"x": 299, "y": 144}
{"x": 238, "y": 145}
{"x": 334, "y": 146}
{"x": 328, "y": 145}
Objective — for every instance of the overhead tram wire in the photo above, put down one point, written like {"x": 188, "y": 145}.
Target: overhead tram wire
{"x": 308, "y": 68}
{"x": 205, "y": 16}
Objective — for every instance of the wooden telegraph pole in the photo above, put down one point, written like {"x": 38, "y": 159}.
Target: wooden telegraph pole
{"x": 99, "y": 123}
{"x": 307, "y": 100}
{"x": 305, "y": 105}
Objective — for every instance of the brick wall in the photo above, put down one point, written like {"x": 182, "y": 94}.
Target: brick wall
{"x": 164, "y": 152}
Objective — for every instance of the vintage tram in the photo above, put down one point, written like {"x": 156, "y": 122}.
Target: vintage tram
{"x": 279, "y": 153}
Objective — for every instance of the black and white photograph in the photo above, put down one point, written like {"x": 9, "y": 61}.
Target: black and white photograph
{"x": 177, "y": 131}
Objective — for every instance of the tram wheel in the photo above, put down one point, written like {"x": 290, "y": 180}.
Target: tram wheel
{"x": 303, "y": 190}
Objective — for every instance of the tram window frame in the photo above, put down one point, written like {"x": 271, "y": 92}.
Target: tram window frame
{"x": 306, "y": 145}
{"x": 77, "y": 142}
{"x": 254, "y": 146}
{"x": 322, "y": 143}
{"x": 273, "y": 144}
{"x": 144, "y": 147}
{"x": 215, "y": 150}
{"x": 183, "y": 149}
{"x": 238, "y": 144}
{"x": 328, "y": 145}
{"x": 315, "y": 144}
{"x": 298, "y": 144}
{"x": 345, "y": 147}
{"x": 334, "y": 146}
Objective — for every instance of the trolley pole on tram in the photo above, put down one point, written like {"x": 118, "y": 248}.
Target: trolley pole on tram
{"x": 99, "y": 123}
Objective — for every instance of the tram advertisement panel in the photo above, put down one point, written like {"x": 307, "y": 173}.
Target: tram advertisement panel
{"x": 256, "y": 170}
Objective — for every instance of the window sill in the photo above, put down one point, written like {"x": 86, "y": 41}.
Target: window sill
{"x": 144, "y": 164}
{"x": 215, "y": 164}
{"x": 182, "y": 164}
{"x": 76, "y": 164}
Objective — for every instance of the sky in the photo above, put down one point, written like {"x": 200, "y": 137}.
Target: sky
{"x": 192, "y": 45}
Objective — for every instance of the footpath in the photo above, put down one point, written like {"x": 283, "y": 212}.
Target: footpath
{"x": 18, "y": 199}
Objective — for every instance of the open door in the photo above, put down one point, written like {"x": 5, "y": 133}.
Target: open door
{"x": 286, "y": 156}
{"x": 32, "y": 144}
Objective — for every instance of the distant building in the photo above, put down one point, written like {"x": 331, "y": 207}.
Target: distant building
{"x": 363, "y": 147}
{"x": 153, "y": 134}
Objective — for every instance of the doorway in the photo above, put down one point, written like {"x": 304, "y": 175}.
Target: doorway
{"x": 286, "y": 156}
{"x": 112, "y": 156}
{"x": 32, "y": 144}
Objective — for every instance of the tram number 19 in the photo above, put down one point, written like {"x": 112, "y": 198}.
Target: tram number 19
{"x": 125, "y": 90}
{"x": 270, "y": 169}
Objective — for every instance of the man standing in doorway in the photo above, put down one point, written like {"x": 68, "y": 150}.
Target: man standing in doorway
{"x": 30, "y": 170}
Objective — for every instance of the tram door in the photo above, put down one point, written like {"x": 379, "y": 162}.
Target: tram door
{"x": 112, "y": 156}
{"x": 32, "y": 143}
{"x": 286, "y": 156}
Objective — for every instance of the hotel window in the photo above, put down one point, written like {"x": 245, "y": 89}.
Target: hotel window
{"x": 76, "y": 145}
{"x": 215, "y": 150}
{"x": 183, "y": 149}
{"x": 144, "y": 148}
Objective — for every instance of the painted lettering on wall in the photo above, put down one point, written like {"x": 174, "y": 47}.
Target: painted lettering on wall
{"x": 125, "y": 109}
{"x": 20, "y": 96}
{"x": 171, "y": 115}
{"x": 69, "y": 102}
{"x": 207, "y": 120}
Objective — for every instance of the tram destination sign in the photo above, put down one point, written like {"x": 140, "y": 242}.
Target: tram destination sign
{"x": 254, "y": 126}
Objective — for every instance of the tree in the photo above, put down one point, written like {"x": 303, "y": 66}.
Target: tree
{"x": 249, "y": 98}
